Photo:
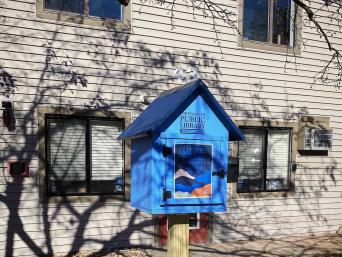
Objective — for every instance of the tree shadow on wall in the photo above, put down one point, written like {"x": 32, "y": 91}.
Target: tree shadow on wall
{"x": 11, "y": 198}
{"x": 7, "y": 82}
{"x": 98, "y": 73}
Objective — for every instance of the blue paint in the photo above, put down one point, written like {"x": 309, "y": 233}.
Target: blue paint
{"x": 170, "y": 105}
{"x": 140, "y": 174}
{"x": 195, "y": 128}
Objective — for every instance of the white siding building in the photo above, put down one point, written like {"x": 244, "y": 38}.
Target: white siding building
{"x": 75, "y": 81}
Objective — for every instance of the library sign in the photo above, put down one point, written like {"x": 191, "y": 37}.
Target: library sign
{"x": 192, "y": 122}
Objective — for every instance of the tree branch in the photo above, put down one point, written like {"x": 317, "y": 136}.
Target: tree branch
{"x": 336, "y": 55}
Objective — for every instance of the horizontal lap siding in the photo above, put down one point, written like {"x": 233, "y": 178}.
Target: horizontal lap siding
{"x": 120, "y": 68}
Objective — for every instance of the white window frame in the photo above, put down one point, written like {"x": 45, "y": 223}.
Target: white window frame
{"x": 198, "y": 221}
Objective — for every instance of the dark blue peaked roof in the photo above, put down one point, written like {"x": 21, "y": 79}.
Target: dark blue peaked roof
{"x": 166, "y": 108}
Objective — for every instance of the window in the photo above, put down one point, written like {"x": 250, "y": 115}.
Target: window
{"x": 83, "y": 155}
{"x": 91, "y": 12}
{"x": 194, "y": 221}
{"x": 265, "y": 157}
{"x": 315, "y": 136}
{"x": 75, "y": 6}
{"x": 271, "y": 22}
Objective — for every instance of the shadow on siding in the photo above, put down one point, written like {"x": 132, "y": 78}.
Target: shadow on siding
{"x": 63, "y": 81}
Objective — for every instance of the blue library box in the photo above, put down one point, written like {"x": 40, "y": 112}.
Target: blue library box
{"x": 179, "y": 152}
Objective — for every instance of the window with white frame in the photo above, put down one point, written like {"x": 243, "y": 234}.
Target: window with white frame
{"x": 194, "y": 221}
{"x": 269, "y": 21}
{"x": 264, "y": 159}
{"x": 84, "y": 156}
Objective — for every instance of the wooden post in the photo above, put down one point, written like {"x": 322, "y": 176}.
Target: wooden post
{"x": 178, "y": 235}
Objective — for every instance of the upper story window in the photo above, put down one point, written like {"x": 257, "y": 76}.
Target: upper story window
{"x": 265, "y": 157}
{"x": 110, "y": 9}
{"x": 269, "y": 24}
{"x": 90, "y": 12}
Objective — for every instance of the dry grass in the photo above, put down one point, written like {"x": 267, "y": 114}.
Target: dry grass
{"x": 110, "y": 253}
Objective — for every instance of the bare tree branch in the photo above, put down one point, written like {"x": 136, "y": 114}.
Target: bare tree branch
{"x": 220, "y": 14}
{"x": 335, "y": 59}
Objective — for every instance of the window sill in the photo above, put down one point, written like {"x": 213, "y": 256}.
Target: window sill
{"x": 269, "y": 47}
{"x": 253, "y": 195}
{"x": 124, "y": 25}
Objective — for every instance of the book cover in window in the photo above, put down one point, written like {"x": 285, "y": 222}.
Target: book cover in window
{"x": 193, "y": 167}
